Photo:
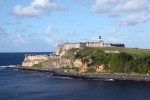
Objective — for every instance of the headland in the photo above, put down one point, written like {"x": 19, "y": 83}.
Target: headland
{"x": 93, "y": 60}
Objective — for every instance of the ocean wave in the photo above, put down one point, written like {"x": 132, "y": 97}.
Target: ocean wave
{"x": 109, "y": 80}
{"x": 62, "y": 77}
{"x": 66, "y": 77}
{"x": 8, "y": 66}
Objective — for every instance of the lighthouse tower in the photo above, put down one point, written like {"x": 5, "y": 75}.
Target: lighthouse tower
{"x": 99, "y": 39}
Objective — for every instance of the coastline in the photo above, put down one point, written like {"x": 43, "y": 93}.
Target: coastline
{"x": 92, "y": 76}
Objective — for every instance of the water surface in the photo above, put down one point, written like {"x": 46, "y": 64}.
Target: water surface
{"x": 28, "y": 85}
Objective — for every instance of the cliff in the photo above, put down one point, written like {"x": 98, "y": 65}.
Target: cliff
{"x": 32, "y": 59}
{"x": 53, "y": 61}
{"x": 57, "y": 63}
{"x": 71, "y": 63}
{"x": 86, "y": 63}
{"x": 95, "y": 60}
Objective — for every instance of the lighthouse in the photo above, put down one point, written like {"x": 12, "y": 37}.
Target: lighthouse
{"x": 100, "y": 39}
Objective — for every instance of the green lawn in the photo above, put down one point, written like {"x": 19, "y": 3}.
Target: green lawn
{"x": 132, "y": 51}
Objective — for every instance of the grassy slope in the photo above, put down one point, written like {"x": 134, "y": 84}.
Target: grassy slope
{"x": 138, "y": 52}
{"x": 132, "y": 51}
{"x": 70, "y": 53}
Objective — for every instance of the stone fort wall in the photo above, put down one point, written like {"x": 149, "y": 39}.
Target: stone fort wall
{"x": 32, "y": 59}
{"x": 62, "y": 48}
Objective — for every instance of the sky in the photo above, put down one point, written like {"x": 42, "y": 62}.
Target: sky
{"x": 39, "y": 25}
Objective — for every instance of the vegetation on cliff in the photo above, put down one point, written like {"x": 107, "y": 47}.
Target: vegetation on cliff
{"x": 68, "y": 69}
{"x": 128, "y": 61}
{"x": 37, "y": 66}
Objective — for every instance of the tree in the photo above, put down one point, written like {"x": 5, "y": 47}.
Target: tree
{"x": 98, "y": 57}
{"x": 116, "y": 64}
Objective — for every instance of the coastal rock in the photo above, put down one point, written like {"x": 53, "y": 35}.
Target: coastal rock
{"x": 83, "y": 68}
{"x": 100, "y": 68}
{"x": 57, "y": 63}
{"x": 54, "y": 61}
{"x": 78, "y": 63}
{"x": 32, "y": 59}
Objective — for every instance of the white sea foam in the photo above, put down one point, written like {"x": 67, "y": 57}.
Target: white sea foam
{"x": 8, "y": 66}
{"x": 66, "y": 77}
{"x": 62, "y": 77}
{"x": 109, "y": 79}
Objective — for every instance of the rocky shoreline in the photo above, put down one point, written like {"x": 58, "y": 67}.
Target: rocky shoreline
{"x": 92, "y": 76}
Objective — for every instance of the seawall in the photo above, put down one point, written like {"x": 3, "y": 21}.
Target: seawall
{"x": 91, "y": 76}
{"x": 104, "y": 76}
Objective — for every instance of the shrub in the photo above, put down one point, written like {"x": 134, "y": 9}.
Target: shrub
{"x": 91, "y": 70}
{"x": 37, "y": 65}
{"x": 128, "y": 62}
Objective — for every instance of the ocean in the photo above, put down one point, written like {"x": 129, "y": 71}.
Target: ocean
{"x": 32, "y": 85}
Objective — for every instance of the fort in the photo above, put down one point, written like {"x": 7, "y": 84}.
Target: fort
{"x": 62, "y": 48}
{"x": 92, "y": 60}
{"x": 31, "y": 59}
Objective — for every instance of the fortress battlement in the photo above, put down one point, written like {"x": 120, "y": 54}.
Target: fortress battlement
{"x": 62, "y": 48}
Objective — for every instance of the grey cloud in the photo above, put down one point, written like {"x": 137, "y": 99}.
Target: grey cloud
{"x": 136, "y": 11}
{"x": 135, "y": 19}
{"x": 119, "y": 6}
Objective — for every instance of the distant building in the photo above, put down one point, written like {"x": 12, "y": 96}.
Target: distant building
{"x": 62, "y": 48}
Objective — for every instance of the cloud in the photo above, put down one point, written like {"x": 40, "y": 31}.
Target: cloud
{"x": 114, "y": 30}
{"x": 37, "y": 8}
{"x": 119, "y": 6}
{"x": 51, "y": 38}
{"x": 135, "y": 11}
{"x": 135, "y": 19}
{"x": 3, "y": 33}
{"x": 34, "y": 40}
{"x": 54, "y": 40}
{"x": 19, "y": 40}
{"x": 48, "y": 31}
{"x": 27, "y": 40}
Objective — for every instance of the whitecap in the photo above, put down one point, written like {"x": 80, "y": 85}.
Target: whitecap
{"x": 109, "y": 79}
